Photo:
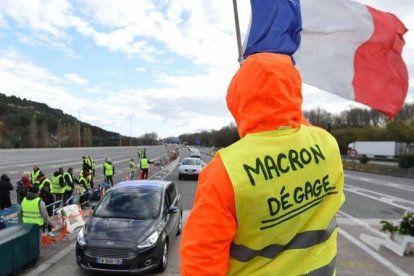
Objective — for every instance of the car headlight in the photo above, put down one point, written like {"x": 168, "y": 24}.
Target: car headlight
{"x": 81, "y": 237}
{"x": 150, "y": 241}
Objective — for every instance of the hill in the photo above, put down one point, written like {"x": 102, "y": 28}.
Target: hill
{"x": 28, "y": 124}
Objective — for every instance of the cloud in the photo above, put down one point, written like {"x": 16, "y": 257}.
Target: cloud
{"x": 75, "y": 79}
{"x": 141, "y": 69}
{"x": 167, "y": 34}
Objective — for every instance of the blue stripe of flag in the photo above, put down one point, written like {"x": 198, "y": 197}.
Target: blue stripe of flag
{"x": 275, "y": 27}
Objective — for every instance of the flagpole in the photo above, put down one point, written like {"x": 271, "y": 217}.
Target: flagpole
{"x": 236, "y": 21}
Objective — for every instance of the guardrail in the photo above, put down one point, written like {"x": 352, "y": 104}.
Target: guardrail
{"x": 378, "y": 169}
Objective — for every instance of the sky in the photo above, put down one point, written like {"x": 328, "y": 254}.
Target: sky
{"x": 135, "y": 67}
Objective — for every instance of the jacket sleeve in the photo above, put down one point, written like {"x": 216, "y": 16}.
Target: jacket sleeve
{"x": 209, "y": 230}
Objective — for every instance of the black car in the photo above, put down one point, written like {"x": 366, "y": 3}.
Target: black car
{"x": 132, "y": 228}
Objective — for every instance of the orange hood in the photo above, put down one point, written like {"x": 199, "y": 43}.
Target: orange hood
{"x": 266, "y": 94}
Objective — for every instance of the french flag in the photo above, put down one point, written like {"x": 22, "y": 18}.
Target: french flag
{"x": 340, "y": 46}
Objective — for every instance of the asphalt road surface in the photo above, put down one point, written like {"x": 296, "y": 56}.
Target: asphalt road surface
{"x": 361, "y": 251}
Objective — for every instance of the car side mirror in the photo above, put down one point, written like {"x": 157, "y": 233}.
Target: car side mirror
{"x": 173, "y": 210}
{"x": 179, "y": 163}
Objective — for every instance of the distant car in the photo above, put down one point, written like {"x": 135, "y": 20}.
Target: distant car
{"x": 190, "y": 167}
{"x": 132, "y": 228}
{"x": 195, "y": 153}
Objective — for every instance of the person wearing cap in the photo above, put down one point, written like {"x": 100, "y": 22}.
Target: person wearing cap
{"x": 266, "y": 204}
{"x": 108, "y": 171}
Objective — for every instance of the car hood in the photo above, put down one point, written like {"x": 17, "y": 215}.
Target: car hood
{"x": 120, "y": 230}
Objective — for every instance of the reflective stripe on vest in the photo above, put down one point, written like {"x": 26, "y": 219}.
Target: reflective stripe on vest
{"x": 31, "y": 211}
{"x": 56, "y": 188}
{"x": 67, "y": 186}
{"x": 288, "y": 186}
{"x": 144, "y": 163}
{"x": 108, "y": 169}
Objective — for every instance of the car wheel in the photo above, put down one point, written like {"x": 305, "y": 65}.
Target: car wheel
{"x": 162, "y": 266}
{"x": 180, "y": 224}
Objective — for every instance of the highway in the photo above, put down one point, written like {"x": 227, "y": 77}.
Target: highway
{"x": 370, "y": 199}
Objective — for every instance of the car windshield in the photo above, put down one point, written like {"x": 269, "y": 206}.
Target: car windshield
{"x": 191, "y": 162}
{"x": 129, "y": 204}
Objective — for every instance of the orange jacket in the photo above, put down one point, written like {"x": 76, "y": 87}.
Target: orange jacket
{"x": 265, "y": 94}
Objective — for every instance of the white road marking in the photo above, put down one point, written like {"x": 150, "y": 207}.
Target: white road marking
{"x": 384, "y": 198}
{"x": 381, "y": 182}
{"x": 41, "y": 268}
{"x": 395, "y": 269}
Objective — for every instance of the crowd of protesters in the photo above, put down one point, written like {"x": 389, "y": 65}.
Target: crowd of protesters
{"x": 63, "y": 187}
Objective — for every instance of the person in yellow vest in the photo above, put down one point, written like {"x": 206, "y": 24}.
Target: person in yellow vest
{"x": 108, "y": 171}
{"x": 132, "y": 169}
{"x": 33, "y": 210}
{"x": 83, "y": 188}
{"x": 35, "y": 174}
{"x": 70, "y": 181}
{"x": 93, "y": 166}
{"x": 45, "y": 188}
{"x": 266, "y": 204}
{"x": 144, "y": 166}
{"x": 58, "y": 186}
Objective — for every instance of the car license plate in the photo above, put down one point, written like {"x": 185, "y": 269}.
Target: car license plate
{"x": 110, "y": 261}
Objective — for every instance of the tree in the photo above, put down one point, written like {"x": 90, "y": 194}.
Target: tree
{"x": 2, "y": 131}
{"x": 33, "y": 132}
{"x": 44, "y": 135}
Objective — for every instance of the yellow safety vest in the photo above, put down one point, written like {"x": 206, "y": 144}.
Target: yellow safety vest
{"x": 44, "y": 182}
{"x": 56, "y": 188}
{"x": 109, "y": 169}
{"x": 67, "y": 186}
{"x": 82, "y": 179}
{"x": 288, "y": 186}
{"x": 31, "y": 211}
{"x": 35, "y": 176}
{"x": 132, "y": 167}
{"x": 144, "y": 163}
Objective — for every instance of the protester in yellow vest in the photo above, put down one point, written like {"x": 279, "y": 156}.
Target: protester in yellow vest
{"x": 33, "y": 209}
{"x": 93, "y": 166}
{"x": 108, "y": 171}
{"x": 58, "y": 186}
{"x": 35, "y": 174}
{"x": 144, "y": 165}
{"x": 69, "y": 186}
{"x": 83, "y": 188}
{"x": 266, "y": 205}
